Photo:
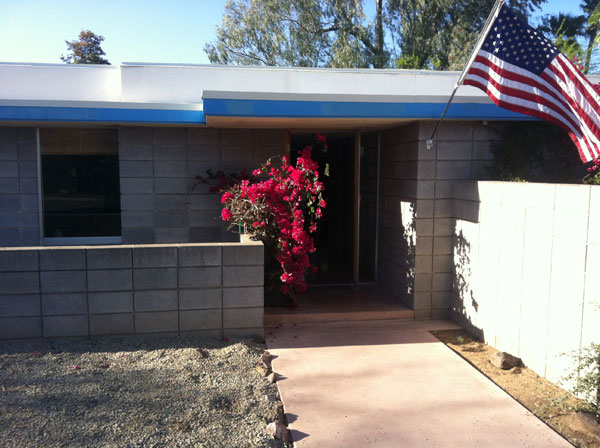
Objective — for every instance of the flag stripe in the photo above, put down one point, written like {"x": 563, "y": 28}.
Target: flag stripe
{"x": 522, "y": 71}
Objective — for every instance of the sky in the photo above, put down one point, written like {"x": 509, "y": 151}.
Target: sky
{"x": 157, "y": 31}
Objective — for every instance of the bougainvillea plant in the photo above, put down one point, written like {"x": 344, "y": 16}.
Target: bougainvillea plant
{"x": 281, "y": 207}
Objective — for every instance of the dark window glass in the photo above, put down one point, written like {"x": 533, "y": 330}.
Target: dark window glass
{"x": 80, "y": 178}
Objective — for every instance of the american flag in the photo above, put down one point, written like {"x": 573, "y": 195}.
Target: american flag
{"x": 524, "y": 72}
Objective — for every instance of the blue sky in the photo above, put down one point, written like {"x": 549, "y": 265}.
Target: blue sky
{"x": 135, "y": 30}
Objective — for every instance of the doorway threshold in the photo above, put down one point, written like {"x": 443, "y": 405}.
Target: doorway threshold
{"x": 322, "y": 304}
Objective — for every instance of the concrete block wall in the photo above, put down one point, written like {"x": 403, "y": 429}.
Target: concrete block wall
{"x": 131, "y": 290}
{"x": 19, "y": 216}
{"x": 161, "y": 200}
{"x": 525, "y": 269}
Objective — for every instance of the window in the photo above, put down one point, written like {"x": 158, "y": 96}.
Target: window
{"x": 80, "y": 183}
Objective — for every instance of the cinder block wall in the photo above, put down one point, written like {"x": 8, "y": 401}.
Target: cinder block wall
{"x": 161, "y": 200}
{"x": 525, "y": 267}
{"x": 131, "y": 290}
{"x": 19, "y": 218}
{"x": 417, "y": 208}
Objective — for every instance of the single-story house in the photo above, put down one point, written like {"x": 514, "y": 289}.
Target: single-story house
{"x": 104, "y": 228}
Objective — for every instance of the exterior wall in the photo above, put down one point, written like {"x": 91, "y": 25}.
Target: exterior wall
{"x": 19, "y": 218}
{"x": 131, "y": 290}
{"x": 161, "y": 200}
{"x": 526, "y": 257}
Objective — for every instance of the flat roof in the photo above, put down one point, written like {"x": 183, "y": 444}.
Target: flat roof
{"x": 214, "y": 95}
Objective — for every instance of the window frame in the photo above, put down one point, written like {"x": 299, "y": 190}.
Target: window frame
{"x": 66, "y": 241}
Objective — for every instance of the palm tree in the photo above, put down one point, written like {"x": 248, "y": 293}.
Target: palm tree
{"x": 591, "y": 29}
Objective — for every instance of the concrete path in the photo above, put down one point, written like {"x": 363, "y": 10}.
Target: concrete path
{"x": 392, "y": 384}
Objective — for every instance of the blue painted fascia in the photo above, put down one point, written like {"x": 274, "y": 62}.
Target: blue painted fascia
{"x": 100, "y": 115}
{"x": 337, "y": 109}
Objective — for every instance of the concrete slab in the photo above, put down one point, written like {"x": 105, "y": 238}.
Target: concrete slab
{"x": 392, "y": 384}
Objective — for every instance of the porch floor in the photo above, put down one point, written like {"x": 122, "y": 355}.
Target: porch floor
{"x": 339, "y": 304}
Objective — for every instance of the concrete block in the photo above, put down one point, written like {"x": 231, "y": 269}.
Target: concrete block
{"x": 10, "y": 219}
{"x": 442, "y": 282}
{"x": 423, "y": 282}
{"x": 20, "y": 305}
{"x": 27, "y": 168}
{"x": 180, "y": 185}
{"x": 453, "y": 170}
{"x": 243, "y": 276}
{"x": 444, "y": 208}
{"x": 104, "y": 258}
{"x": 9, "y": 168}
{"x": 203, "y": 136}
{"x": 135, "y": 168}
{"x": 171, "y": 235}
{"x": 18, "y": 260}
{"x": 135, "y": 135}
{"x": 443, "y": 263}
{"x": 62, "y": 259}
{"x": 169, "y": 153}
{"x": 20, "y": 327}
{"x": 110, "y": 302}
{"x": 19, "y": 282}
{"x": 425, "y": 208}
{"x": 162, "y": 300}
{"x": 198, "y": 299}
{"x": 65, "y": 326}
{"x": 28, "y": 185}
{"x": 193, "y": 320}
{"x": 170, "y": 218}
{"x": 446, "y": 189}
{"x": 470, "y": 211}
{"x": 425, "y": 189}
{"x": 29, "y": 219}
{"x": 592, "y": 268}
{"x": 109, "y": 280}
{"x": 137, "y": 219}
{"x": 28, "y": 151}
{"x": 243, "y": 254}
{"x": 28, "y": 202}
{"x": 442, "y": 245}
{"x": 243, "y": 317}
{"x": 423, "y": 264}
{"x": 205, "y": 218}
{"x": 209, "y": 202}
{"x": 482, "y": 150}
{"x": 424, "y": 227}
{"x": 243, "y": 297}
{"x": 571, "y": 226}
{"x": 157, "y": 322}
{"x": 170, "y": 136}
{"x": 204, "y": 277}
{"x": 440, "y": 299}
{"x": 9, "y": 202}
{"x": 572, "y": 198}
{"x": 111, "y": 324}
{"x": 444, "y": 227}
{"x": 425, "y": 170}
{"x": 200, "y": 255}
{"x": 138, "y": 235}
{"x": 30, "y": 236}
{"x": 454, "y": 150}
{"x": 424, "y": 246}
{"x": 169, "y": 168}
{"x": 170, "y": 201}
{"x": 137, "y": 185}
{"x": 154, "y": 257}
{"x": 137, "y": 202}
{"x": 157, "y": 278}
{"x": 135, "y": 151}
{"x": 9, "y": 185}
{"x": 8, "y": 143}
{"x": 56, "y": 304}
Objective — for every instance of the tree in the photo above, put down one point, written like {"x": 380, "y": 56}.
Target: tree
{"x": 436, "y": 34}
{"x": 563, "y": 30}
{"x": 85, "y": 50}
{"x": 591, "y": 30}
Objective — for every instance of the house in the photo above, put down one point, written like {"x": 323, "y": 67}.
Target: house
{"x": 105, "y": 230}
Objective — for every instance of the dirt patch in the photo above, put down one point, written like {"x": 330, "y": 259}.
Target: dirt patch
{"x": 132, "y": 393}
{"x": 546, "y": 400}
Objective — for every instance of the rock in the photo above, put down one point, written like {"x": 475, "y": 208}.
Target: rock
{"x": 271, "y": 398}
{"x": 504, "y": 361}
{"x": 263, "y": 370}
{"x": 272, "y": 378}
{"x": 266, "y": 358}
{"x": 279, "y": 431}
{"x": 585, "y": 424}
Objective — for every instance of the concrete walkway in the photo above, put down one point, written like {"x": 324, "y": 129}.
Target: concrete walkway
{"x": 392, "y": 384}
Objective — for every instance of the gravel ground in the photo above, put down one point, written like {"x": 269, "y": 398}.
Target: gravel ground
{"x": 184, "y": 392}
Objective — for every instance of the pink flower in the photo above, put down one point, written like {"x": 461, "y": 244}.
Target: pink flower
{"x": 226, "y": 214}
{"x": 76, "y": 367}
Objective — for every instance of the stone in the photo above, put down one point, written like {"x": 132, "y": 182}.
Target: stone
{"x": 271, "y": 398}
{"x": 272, "y": 378}
{"x": 279, "y": 431}
{"x": 504, "y": 361}
{"x": 263, "y": 370}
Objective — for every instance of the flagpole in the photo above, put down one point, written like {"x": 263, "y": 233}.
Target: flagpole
{"x": 478, "y": 44}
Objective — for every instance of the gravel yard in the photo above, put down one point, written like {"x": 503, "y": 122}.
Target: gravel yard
{"x": 199, "y": 392}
